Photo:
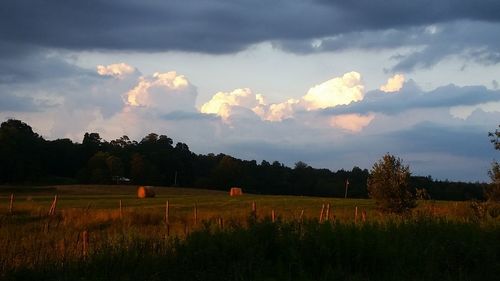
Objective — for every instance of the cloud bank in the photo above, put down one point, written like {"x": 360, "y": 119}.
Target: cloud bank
{"x": 335, "y": 124}
{"x": 441, "y": 28}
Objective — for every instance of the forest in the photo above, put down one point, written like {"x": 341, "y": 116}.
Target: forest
{"x": 26, "y": 158}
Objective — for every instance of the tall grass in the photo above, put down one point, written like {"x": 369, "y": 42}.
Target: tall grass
{"x": 414, "y": 249}
{"x": 440, "y": 240}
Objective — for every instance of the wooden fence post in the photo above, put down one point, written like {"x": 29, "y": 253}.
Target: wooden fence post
{"x": 220, "y": 221}
{"x": 167, "y": 220}
{"x": 327, "y": 214}
{"x": 273, "y": 216}
{"x": 11, "y": 205}
{"x": 321, "y": 214}
{"x": 195, "y": 214}
{"x": 121, "y": 211}
{"x": 254, "y": 210}
{"x": 85, "y": 238}
{"x": 52, "y": 210}
{"x": 356, "y": 214}
{"x": 167, "y": 211}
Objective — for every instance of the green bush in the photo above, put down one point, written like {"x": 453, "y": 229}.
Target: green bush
{"x": 388, "y": 184}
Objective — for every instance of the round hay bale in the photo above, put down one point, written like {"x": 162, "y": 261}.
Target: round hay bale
{"x": 145, "y": 192}
{"x": 235, "y": 191}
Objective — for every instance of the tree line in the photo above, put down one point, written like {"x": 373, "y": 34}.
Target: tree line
{"x": 27, "y": 158}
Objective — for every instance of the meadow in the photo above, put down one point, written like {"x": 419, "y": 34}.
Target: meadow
{"x": 209, "y": 235}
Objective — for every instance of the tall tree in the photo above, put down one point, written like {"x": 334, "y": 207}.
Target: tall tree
{"x": 21, "y": 152}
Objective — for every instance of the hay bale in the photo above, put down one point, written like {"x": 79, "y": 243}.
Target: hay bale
{"x": 235, "y": 191}
{"x": 145, "y": 192}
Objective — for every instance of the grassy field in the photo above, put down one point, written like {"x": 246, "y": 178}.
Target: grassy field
{"x": 88, "y": 229}
{"x": 209, "y": 202}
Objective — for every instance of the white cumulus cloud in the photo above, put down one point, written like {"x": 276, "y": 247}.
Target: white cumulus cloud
{"x": 394, "y": 84}
{"x": 222, "y": 103}
{"x": 117, "y": 70}
{"x": 163, "y": 91}
{"x": 337, "y": 91}
{"x": 280, "y": 111}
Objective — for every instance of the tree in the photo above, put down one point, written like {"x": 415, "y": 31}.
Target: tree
{"x": 492, "y": 192}
{"x": 92, "y": 139}
{"x": 388, "y": 184}
{"x": 115, "y": 166}
{"x": 495, "y": 138}
{"x": 227, "y": 173}
{"x": 137, "y": 168}
{"x": 21, "y": 152}
{"x": 97, "y": 168}
{"x": 301, "y": 165}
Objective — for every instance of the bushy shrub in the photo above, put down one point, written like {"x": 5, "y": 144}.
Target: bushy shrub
{"x": 388, "y": 184}
{"x": 492, "y": 192}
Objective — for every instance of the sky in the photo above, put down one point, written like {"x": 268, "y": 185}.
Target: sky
{"x": 335, "y": 84}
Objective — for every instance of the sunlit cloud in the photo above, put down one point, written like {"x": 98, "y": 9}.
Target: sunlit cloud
{"x": 280, "y": 111}
{"x": 165, "y": 91}
{"x": 394, "y": 84}
{"x": 222, "y": 102}
{"x": 337, "y": 91}
{"x": 117, "y": 70}
{"x": 352, "y": 122}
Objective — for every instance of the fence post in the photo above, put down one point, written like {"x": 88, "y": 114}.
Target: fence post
{"x": 167, "y": 211}
{"x": 167, "y": 221}
{"x": 363, "y": 216}
{"x": 273, "y": 216}
{"x": 186, "y": 228}
{"x": 356, "y": 214}
{"x": 195, "y": 214}
{"x": 327, "y": 215}
{"x": 220, "y": 221}
{"x": 254, "y": 210}
{"x": 52, "y": 210}
{"x": 121, "y": 211}
{"x": 321, "y": 214}
{"x": 85, "y": 238}
{"x": 11, "y": 205}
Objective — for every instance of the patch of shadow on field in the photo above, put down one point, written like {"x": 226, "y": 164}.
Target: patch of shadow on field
{"x": 99, "y": 226}
{"x": 27, "y": 189}
{"x": 21, "y": 217}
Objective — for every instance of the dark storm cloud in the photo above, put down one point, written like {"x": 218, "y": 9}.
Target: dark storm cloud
{"x": 412, "y": 97}
{"x": 427, "y": 137}
{"x": 216, "y": 26}
{"x": 475, "y": 41}
{"x": 21, "y": 63}
{"x": 9, "y": 102}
